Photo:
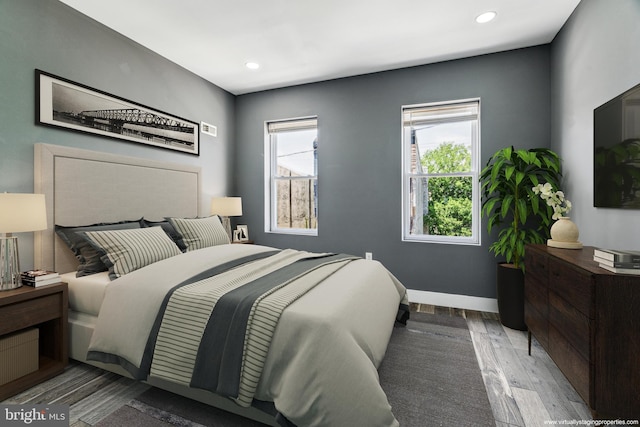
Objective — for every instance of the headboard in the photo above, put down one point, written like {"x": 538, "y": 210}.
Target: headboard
{"x": 83, "y": 187}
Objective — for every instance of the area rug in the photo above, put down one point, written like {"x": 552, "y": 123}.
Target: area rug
{"x": 430, "y": 375}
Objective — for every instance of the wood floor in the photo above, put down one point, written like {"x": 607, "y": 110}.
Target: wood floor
{"x": 523, "y": 390}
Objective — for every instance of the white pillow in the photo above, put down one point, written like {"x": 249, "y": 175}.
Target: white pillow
{"x": 129, "y": 250}
{"x": 198, "y": 233}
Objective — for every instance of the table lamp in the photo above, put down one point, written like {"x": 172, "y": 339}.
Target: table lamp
{"x": 19, "y": 213}
{"x": 226, "y": 207}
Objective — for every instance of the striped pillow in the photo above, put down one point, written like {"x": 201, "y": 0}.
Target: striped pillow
{"x": 129, "y": 250}
{"x": 198, "y": 233}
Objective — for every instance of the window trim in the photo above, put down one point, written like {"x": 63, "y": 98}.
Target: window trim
{"x": 283, "y": 125}
{"x": 476, "y": 234}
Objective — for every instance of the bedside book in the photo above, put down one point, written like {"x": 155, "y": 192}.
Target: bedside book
{"x": 37, "y": 283}
{"x": 38, "y": 275}
{"x": 37, "y": 278}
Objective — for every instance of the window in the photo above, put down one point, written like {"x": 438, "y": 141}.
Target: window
{"x": 292, "y": 169}
{"x": 441, "y": 150}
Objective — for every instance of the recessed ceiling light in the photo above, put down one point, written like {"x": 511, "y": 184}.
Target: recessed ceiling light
{"x": 252, "y": 65}
{"x": 485, "y": 17}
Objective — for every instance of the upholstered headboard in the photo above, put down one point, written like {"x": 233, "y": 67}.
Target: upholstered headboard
{"x": 83, "y": 187}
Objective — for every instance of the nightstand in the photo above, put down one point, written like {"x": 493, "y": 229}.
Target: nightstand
{"x": 44, "y": 308}
{"x": 245, "y": 242}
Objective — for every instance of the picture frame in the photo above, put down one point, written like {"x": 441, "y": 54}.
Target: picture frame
{"x": 242, "y": 233}
{"x": 66, "y": 104}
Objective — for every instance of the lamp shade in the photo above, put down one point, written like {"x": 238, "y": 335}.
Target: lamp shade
{"x": 226, "y": 206}
{"x": 22, "y": 212}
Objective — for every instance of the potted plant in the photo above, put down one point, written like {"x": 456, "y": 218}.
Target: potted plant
{"x": 510, "y": 204}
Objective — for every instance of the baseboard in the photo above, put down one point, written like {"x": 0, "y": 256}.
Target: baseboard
{"x": 453, "y": 300}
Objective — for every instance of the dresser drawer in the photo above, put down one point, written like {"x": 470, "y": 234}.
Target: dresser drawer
{"x": 571, "y": 363}
{"x": 537, "y": 324}
{"x": 536, "y": 293}
{"x": 570, "y": 323}
{"x": 536, "y": 265}
{"x": 536, "y": 308}
{"x": 573, "y": 285}
{"x": 32, "y": 312}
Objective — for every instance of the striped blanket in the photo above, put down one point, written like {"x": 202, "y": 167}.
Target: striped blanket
{"x": 215, "y": 333}
{"x": 302, "y": 332}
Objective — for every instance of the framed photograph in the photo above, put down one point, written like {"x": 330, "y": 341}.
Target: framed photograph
{"x": 63, "y": 103}
{"x": 243, "y": 233}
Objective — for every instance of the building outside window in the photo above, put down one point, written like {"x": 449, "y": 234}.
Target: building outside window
{"x": 441, "y": 162}
{"x": 292, "y": 176}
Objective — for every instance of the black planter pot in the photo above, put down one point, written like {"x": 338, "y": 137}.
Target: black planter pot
{"x": 510, "y": 282}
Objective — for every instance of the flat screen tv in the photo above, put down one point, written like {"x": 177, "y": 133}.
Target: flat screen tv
{"x": 616, "y": 137}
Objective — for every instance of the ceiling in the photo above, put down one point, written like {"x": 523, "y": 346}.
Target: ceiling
{"x": 303, "y": 41}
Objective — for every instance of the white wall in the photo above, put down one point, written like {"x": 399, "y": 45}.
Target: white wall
{"x": 595, "y": 57}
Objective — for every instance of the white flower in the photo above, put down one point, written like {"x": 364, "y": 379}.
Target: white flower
{"x": 555, "y": 199}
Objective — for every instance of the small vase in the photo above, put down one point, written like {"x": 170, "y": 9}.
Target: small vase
{"x": 564, "y": 234}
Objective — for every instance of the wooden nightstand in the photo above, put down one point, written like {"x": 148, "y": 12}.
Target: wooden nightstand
{"x": 45, "y": 308}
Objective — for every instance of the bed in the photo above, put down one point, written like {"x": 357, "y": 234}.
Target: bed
{"x": 313, "y": 362}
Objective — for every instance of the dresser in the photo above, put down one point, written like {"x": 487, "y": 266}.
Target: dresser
{"x": 588, "y": 321}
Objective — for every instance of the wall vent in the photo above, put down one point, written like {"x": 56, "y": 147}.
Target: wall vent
{"x": 208, "y": 129}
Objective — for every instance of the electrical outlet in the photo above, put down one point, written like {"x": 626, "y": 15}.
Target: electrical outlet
{"x": 368, "y": 255}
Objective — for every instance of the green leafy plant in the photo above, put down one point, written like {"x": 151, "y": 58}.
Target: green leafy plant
{"x": 507, "y": 183}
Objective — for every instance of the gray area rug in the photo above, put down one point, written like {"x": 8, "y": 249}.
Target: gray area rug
{"x": 430, "y": 375}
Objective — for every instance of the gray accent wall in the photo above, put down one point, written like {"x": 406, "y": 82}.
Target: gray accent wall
{"x": 595, "y": 57}
{"x": 359, "y": 158}
{"x": 48, "y": 35}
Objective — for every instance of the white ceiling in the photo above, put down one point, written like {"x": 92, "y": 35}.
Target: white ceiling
{"x": 302, "y": 41}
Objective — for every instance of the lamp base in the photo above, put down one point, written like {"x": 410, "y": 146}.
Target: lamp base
{"x": 9, "y": 265}
{"x": 226, "y": 223}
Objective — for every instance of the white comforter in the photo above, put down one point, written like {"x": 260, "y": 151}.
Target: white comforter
{"x": 321, "y": 369}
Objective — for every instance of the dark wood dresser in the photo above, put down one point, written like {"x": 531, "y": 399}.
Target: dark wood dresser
{"x": 588, "y": 320}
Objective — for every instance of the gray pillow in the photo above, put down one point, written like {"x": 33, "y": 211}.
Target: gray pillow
{"x": 87, "y": 254}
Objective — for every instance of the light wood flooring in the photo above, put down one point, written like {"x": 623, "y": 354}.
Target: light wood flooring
{"x": 523, "y": 390}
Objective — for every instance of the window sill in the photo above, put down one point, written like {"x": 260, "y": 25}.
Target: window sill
{"x": 294, "y": 232}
